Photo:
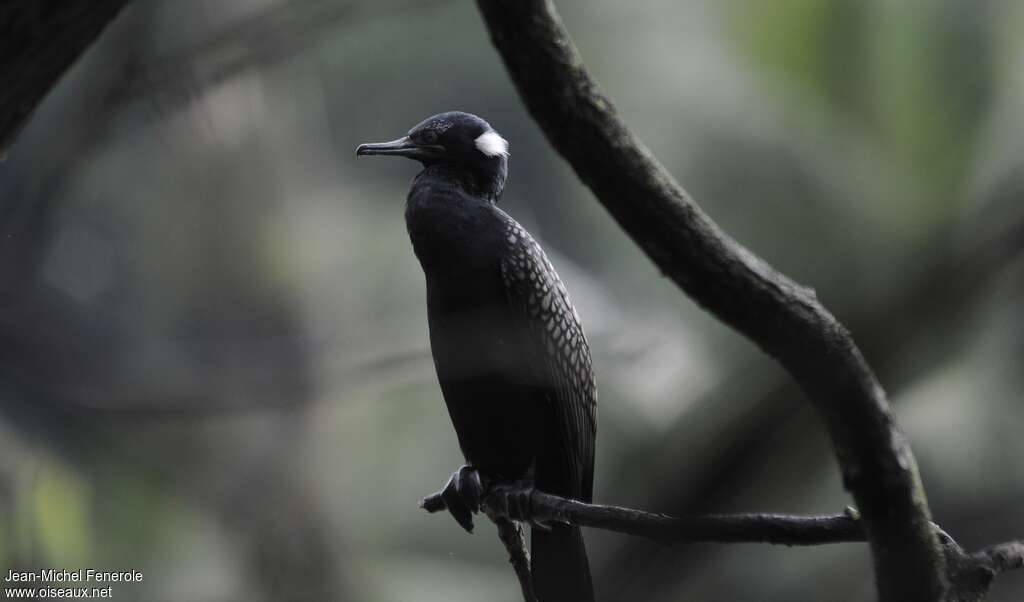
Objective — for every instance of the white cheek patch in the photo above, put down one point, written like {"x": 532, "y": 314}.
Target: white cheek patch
{"x": 491, "y": 144}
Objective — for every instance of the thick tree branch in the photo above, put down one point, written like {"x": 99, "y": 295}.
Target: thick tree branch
{"x": 39, "y": 40}
{"x": 950, "y": 280}
{"x": 782, "y": 317}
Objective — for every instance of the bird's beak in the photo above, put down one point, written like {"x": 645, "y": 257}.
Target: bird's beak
{"x": 403, "y": 147}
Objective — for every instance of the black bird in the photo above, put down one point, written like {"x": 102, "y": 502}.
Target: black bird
{"x": 510, "y": 353}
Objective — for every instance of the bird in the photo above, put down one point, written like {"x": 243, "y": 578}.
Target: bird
{"x": 511, "y": 357}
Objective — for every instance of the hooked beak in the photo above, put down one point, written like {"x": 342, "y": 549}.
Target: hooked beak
{"x": 403, "y": 147}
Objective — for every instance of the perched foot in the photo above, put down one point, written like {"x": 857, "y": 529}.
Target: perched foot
{"x": 468, "y": 491}
{"x": 513, "y": 499}
{"x": 463, "y": 494}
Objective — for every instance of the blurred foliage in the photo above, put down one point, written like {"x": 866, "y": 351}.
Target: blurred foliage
{"x": 215, "y": 362}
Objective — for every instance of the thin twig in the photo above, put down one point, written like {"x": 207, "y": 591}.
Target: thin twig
{"x": 970, "y": 575}
{"x": 512, "y": 535}
{"x": 712, "y": 528}
{"x": 1003, "y": 557}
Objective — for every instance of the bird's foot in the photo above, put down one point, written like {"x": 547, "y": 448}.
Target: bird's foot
{"x": 463, "y": 495}
{"x": 512, "y": 498}
{"x": 467, "y": 492}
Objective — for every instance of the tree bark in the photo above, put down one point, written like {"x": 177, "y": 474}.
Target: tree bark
{"x": 779, "y": 529}
{"x": 39, "y": 40}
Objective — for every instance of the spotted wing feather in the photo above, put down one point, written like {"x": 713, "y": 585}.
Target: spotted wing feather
{"x": 561, "y": 361}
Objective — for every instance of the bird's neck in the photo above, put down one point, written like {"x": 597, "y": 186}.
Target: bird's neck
{"x": 484, "y": 182}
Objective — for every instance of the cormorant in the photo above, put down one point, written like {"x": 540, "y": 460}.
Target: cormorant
{"x": 510, "y": 353}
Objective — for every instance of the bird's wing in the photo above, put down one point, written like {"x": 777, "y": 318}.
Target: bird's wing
{"x": 561, "y": 362}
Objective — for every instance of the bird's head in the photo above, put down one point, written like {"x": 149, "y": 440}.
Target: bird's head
{"x": 458, "y": 139}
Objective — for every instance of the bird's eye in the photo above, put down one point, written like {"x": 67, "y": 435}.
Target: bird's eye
{"x": 429, "y": 137}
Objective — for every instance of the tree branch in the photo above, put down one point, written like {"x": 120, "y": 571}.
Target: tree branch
{"x": 950, "y": 280}
{"x": 512, "y": 535}
{"x": 783, "y": 318}
{"x": 779, "y": 529}
{"x": 40, "y": 40}
{"x": 971, "y": 575}
{"x": 1003, "y": 557}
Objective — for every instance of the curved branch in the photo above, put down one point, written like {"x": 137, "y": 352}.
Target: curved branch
{"x": 783, "y": 318}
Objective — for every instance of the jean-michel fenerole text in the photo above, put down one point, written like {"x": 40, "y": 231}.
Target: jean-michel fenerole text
{"x": 68, "y": 576}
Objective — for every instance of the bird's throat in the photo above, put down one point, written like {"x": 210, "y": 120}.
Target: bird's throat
{"x": 486, "y": 181}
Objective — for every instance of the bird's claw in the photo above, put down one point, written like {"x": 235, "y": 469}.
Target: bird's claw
{"x": 513, "y": 499}
{"x": 466, "y": 490}
{"x": 463, "y": 495}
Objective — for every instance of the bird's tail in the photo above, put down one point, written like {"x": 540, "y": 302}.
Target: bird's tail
{"x": 561, "y": 572}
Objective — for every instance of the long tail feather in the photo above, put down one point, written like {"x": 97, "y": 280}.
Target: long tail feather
{"x": 561, "y": 572}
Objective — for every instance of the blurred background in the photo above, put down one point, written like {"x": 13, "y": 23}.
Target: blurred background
{"x": 215, "y": 366}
